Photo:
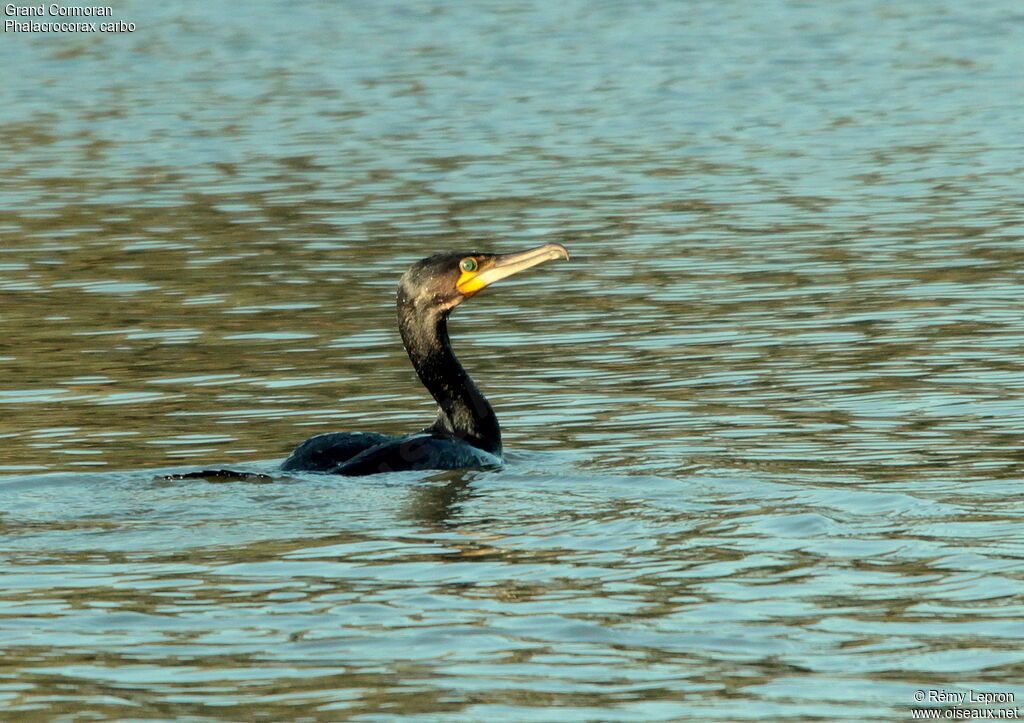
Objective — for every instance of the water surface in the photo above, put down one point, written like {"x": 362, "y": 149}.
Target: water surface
{"x": 764, "y": 430}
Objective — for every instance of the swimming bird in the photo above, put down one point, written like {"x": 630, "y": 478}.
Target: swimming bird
{"x": 465, "y": 433}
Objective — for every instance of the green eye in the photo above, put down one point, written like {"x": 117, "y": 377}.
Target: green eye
{"x": 468, "y": 264}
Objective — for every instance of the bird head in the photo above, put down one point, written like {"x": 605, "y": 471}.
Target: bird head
{"x": 444, "y": 281}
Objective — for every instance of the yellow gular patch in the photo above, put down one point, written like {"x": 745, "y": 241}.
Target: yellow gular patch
{"x": 469, "y": 283}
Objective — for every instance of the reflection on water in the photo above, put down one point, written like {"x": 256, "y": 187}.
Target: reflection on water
{"x": 764, "y": 429}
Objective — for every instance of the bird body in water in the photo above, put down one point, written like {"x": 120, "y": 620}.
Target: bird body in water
{"x": 465, "y": 433}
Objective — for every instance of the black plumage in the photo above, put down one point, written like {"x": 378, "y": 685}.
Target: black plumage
{"x": 465, "y": 433}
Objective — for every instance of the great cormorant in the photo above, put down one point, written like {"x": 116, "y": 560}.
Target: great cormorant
{"x": 466, "y": 432}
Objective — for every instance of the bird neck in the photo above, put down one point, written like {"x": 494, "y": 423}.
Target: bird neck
{"x": 463, "y": 411}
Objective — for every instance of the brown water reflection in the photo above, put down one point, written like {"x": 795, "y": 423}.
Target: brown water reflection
{"x": 213, "y": 336}
{"x": 250, "y": 329}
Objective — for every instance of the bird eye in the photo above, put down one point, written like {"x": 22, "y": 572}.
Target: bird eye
{"x": 468, "y": 264}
